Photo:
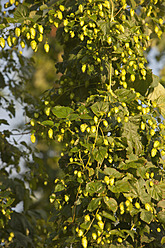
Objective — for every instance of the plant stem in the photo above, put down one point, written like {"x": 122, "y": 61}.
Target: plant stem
{"x": 91, "y": 222}
{"x": 110, "y": 80}
{"x": 112, "y": 18}
{"x": 110, "y": 75}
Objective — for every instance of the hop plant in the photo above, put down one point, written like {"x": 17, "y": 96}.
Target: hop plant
{"x": 102, "y": 114}
{"x": 109, "y": 189}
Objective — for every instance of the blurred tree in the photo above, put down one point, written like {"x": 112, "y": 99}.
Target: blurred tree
{"x": 27, "y": 174}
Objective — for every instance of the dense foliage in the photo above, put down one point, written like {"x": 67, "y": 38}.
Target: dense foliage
{"x": 106, "y": 111}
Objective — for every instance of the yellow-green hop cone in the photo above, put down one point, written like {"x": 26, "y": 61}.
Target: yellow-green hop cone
{"x": 17, "y": 32}
{"x": 46, "y": 47}
{"x": 84, "y": 242}
{"x": 2, "y": 42}
{"x": 50, "y": 133}
{"x": 153, "y": 152}
{"x": 33, "y": 44}
{"x": 33, "y": 138}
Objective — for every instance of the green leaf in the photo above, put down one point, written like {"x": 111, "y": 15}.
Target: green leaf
{"x": 117, "y": 233}
{"x": 21, "y": 12}
{"x": 161, "y": 217}
{"x": 131, "y": 157}
{"x": 134, "y": 212}
{"x": 59, "y": 187}
{"x": 141, "y": 85}
{"x": 123, "y": 245}
{"x": 154, "y": 191}
{"x": 62, "y": 112}
{"x": 73, "y": 117}
{"x": 122, "y": 185}
{"x": 100, "y": 154}
{"x": 112, "y": 172}
{"x": 146, "y": 216}
{"x": 109, "y": 216}
{"x": 100, "y": 108}
{"x": 147, "y": 239}
{"x": 161, "y": 204}
{"x": 85, "y": 225}
{"x": 43, "y": 7}
{"x": 111, "y": 203}
{"x": 163, "y": 240}
{"x": 125, "y": 95}
{"x": 130, "y": 132}
{"x": 33, "y": 16}
{"x": 113, "y": 246}
{"x": 155, "y": 81}
{"x": 47, "y": 123}
{"x": 104, "y": 27}
{"x": 133, "y": 3}
{"x": 110, "y": 139}
{"x": 118, "y": 143}
{"x": 94, "y": 203}
{"x": 139, "y": 189}
{"x": 157, "y": 91}
{"x": 162, "y": 187}
{"x": 131, "y": 233}
{"x": 158, "y": 95}
{"x": 2, "y": 26}
{"x": 146, "y": 229}
{"x": 135, "y": 164}
{"x": 85, "y": 117}
{"x": 95, "y": 187}
{"x": 161, "y": 103}
{"x": 91, "y": 172}
{"x": 74, "y": 149}
{"x": 93, "y": 17}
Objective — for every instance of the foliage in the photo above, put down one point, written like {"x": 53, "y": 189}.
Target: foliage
{"x": 107, "y": 114}
{"x": 112, "y": 163}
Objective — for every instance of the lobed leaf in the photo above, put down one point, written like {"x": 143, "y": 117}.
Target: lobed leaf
{"x": 94, "y": 203}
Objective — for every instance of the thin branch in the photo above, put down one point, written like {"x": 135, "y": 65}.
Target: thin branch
{"x": 112, "y": 18}
{"x": 118, "y": 11}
